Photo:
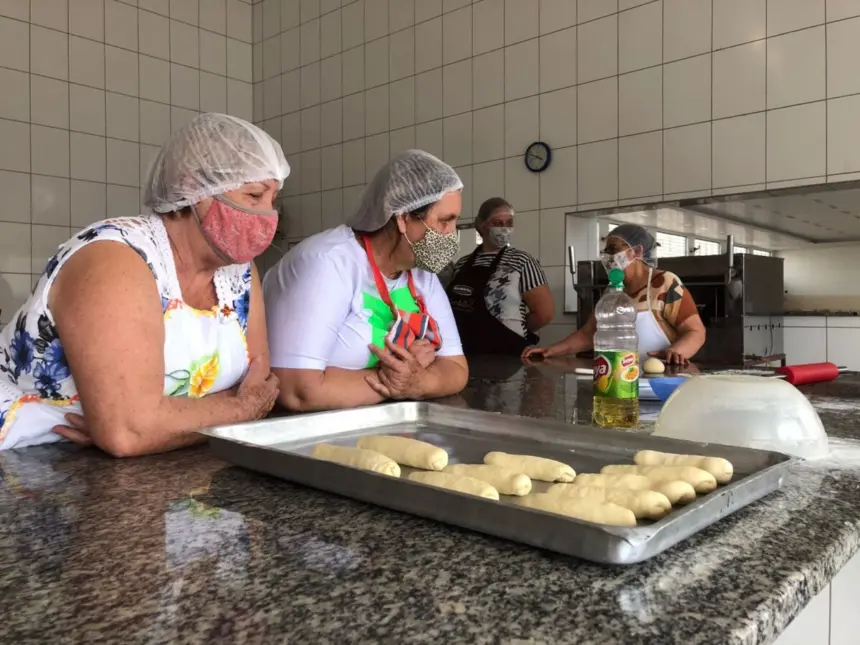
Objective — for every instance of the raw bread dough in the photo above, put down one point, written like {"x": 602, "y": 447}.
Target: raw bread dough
{"x": 647, "y": 504}
{"x": 677, "y": 492}
{"x": 701, "y": 480}
{"x": 589, "y": 510}
{"x": 504, "y": 480}
{"x": 409, "y": 452}
{"x": 654, "y": 366}
{"x": 720, "y": 468}
{"x": 540, "y": 468}
{"x": 357, "y": 458}
{"x": 459, "y": 483}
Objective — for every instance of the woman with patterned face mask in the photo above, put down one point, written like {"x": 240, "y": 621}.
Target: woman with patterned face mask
{"x": 143, "y": 330}
{"x": 499, "y": 294}
{"x": 356, "y": 314}
{"x": 667, "y": 320}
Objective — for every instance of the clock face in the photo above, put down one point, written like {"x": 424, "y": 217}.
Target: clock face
{"x": 538, "y": 155}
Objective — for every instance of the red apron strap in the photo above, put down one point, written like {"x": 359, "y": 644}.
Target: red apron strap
{"x": 383, "y": 288}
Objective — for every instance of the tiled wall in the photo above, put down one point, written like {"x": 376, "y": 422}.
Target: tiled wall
{"x": 90, "y": 90}
{"x": 640, "y": 100}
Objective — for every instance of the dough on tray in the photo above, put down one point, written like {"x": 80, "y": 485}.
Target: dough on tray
{"x": 701, "y": 480}
{"x": 357, "y": 458}
{"x": 654, "y": 366}
{"x": 504, "y": 480}
{"x": 582, "y": 509}
{"x": 405, "y": 451}
{"x": 720, "y": 468}
{"x": 647, "y": 504}
{"x": 540, "y": 468}
{"x": 677, "y": 492}
{"x": 459, "y": 483}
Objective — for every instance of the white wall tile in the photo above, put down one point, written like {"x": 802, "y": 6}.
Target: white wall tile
{"x": 157, "y": 6}
{"x": 457, "y": 139}
{"x": 291, "y": 133}
{"x": 375, "y": 19}
{"x": 796, "y": 142}
{"x": 154, "y": 123}
{"x": 213, "y": 53}
{"x": 841, "y": 9}
{"x": 185, "y": 87}
{"x": 86, "y": 62}
{"x": 522, "y": 20}
{"x": 740, "y": 80}
{"x": 640, "y": 37}
{"x": 15, "y": 9}
{"x": 15, "y": 98}
{"x": 597, "y": 49}
{"x": 311, "y": 163}
{"x": 184, "y": 44}
{"x": 375, "y": 154}
{"x": 153, "y": 35}
{"x": 87, "y": 109}
{"x": 49, "y": 53}
{"x": 457, "y": 88}
{"x": 557, "y": 187}
{"x": 597, "y": 110}
{"x": 376, "y": 57}
{"x": 552, "y": 239}
{"x": 426, "y": 9}
{"x": 558, "y": 60}
{"x": 488, "y": 134}
{"x": 488, "y": 26}
{"x": 401, "y": 14}
{"x": 15, "y": 44}
{"x": 353, "y": 70}
{"x": 15, "y": 187}
{"x": 15, "y": 292}
{"x": 428, "y": 96}
{"x": 271, "y": 98}
{"x": 123, "y": 163}
{"x": 154, "y": 80}
{"x": 558, "y": 115}
{"x": 402, "y": 48}
{"x": 588, "y": 10}
{"x": 291, "y": 50}
{"x": 597, "y": 172}
{"x": 428, "y": 45}
{"x": 843, "y": 135}
{"x": 310, "y": 9}
{"x": 686, "y": 28}
{"x": 122, "y": 201}
{"x": 330, "y": 34}
{"x": 331, "y": 122}
{"x": 49, "y": 152}
{"x": 120, "y": 25}
{"x": 311, "y": 214}
{"x": 556, "y": 14}
{"x": 213, "y": 16}
{"x": 353, "y": 117}
{"x": 796, "y": 68}
{"x": 239, "y": 97}
{"x": 522, "y": 125}
{"x": 239, "y": 20}
{"x": 15, "y": 151}
{"x": 488, "y": 180}
{"x": 488, "y": 79}
{"x": 51, "y": 201}
{"x": 402, "y": 105}
{"x": 311, "y": 88}
{"x": 526, "y": 235}
{"x": 640, "y": 104}
{"x": 88, "y": 157}
{"x": 239, "y": 61}
{"x": 121, "y": 71}
{"x": 640, "y": 165}
{"x": 14, "y": 249}
{"x": 45, "y": 242}
{"x": 271, "y": 57}
{"x": 739, "y": 150}
{"x": 687, "y": 158}
{"x": 332, "y": 167}
{"x": 521, "y": 61}
{"x": 522, "y": 187}
{"x": 331, "y": 78}
{"x": 791, "y": 15}
{"x": 402, "y": 139}
{"x": 88, "y": 203}
{"x": 687, "y": 91}
{"x": 189, "y": 10}
{"x": 457, "y": 35}
{"x": 843, "y": 52}
{"x": 310, "y": 42}
{"x": 333, "y": 212}
{"x": 180, "y": 117}
{"x": 88, "y": 19}
{"x": 739, "y": 21}
{"x": 53, "y": 14}
{"x": 428, "y": 136}
{"x": 376, "y": 102}
{"x": 311, "y": 128}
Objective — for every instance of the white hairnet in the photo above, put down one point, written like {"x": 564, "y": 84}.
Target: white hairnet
{"x": 211, "y": 155}
{"x": 635, "y": 235}
{"x": 409, "y": 180}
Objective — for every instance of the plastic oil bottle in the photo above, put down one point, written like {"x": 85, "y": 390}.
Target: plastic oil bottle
{"x": 616, "y": 357}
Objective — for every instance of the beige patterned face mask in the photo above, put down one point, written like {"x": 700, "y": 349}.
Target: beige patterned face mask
{"x": 435, "y": 250}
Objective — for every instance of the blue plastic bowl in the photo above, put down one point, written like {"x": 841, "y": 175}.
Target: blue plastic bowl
{"x": 665, "y": 385}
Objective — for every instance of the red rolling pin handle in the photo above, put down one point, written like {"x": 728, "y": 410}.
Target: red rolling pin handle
{"x": 809, "y": 373}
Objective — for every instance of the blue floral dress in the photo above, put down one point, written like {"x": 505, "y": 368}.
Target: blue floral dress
{"x": 204, "y": 351}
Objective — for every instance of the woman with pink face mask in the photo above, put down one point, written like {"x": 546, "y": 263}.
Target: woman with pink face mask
{"x": 143, "y": 330}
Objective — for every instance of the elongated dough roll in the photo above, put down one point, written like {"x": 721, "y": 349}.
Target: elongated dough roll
{"x": 540, "y": 468}
{"x": 701, "y": 480}
{"x": 408, "y": 452}
{"x": 720, "y": 468}
{"x": 468, "y": 485}
{"x": 647, "y": 504}
{"x": 583, "y": 509}
{"x": 677, "y": 492}
{"x": 357, "y": 458}
{"x": 504, "y": 480}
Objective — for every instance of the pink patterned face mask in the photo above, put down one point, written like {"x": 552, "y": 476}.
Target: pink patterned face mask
{"x": 236, "y": 233}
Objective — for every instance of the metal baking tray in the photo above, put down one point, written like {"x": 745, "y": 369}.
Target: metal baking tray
{"x": 280, "y": 447}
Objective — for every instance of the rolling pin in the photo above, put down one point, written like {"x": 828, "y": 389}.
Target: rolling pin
{"x": 810, "y": 373}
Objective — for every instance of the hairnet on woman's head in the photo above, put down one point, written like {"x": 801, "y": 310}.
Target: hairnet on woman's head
{"x": 211, "y": 155}
{"x": 409, "y": 180}
{"x": 636, "y": 236}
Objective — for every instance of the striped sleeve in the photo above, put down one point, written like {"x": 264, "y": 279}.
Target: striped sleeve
{"x": 531, "y": 273}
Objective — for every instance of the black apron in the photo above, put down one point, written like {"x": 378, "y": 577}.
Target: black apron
{"x": 480, "y": 331}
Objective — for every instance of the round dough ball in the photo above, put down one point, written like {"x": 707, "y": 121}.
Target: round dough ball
{"x": 654, "y": 366}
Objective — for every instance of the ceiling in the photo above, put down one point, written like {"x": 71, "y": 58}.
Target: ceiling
{"x": 775, "y": 220}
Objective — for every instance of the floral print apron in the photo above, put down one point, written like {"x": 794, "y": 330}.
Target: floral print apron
{"x": 204, "y": 351}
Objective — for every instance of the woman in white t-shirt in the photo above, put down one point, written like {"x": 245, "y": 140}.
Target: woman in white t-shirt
{"x": 356, "y": 314}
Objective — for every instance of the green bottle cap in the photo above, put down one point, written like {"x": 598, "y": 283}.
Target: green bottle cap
{"x": 616, "y": 278}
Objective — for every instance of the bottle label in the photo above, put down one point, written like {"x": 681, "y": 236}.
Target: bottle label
{"x": 616, "y": 374}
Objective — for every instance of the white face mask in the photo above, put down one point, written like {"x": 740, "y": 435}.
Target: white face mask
{"x": 620, "y": 260}
{"x": 499, "y": 236}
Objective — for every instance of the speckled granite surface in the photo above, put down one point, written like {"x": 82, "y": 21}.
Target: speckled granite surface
{"x": 182, "y": 548}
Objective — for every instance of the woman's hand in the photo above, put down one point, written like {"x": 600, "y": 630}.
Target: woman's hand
{"x": 671, "y": 357}
{"x": 424, "y": 352}
{"x": 535, "y": 353}
{"x": 76, "y": 431}
{"x": 399, "y": 373}
{"x": 258, "y": 391}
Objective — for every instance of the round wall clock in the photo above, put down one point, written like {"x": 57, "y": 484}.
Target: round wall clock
{"x": 538, "y": 156}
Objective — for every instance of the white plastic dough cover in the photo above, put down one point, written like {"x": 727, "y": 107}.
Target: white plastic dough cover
{"x": 212, "y": 155}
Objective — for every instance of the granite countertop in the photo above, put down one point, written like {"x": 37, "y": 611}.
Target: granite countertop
{"x": 821, "y": 312}
{"x": 183, "y": 548}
